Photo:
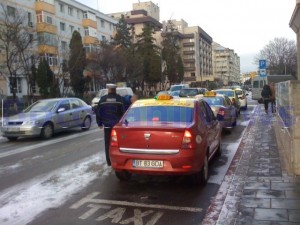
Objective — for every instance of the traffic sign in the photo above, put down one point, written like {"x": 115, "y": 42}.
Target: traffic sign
{"x": 262, "y": 64}
{"x": 262, "y": 72}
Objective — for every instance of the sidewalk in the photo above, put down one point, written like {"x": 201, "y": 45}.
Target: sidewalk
{"x": 257, "y": 189}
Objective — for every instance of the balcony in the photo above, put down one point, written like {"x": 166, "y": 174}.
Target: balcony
{"x": 45, "y": 27}
{"x": 44, "y": 6}
{"x": 90, "y": 40}
{"x": 188, "y": 44}
{"x": 42, "y": 49}
{"x": 189, "y": 52}
{"x": 190, "y": 68}
{"x": 89, "y": 23}
{"x": 188, "y": 60}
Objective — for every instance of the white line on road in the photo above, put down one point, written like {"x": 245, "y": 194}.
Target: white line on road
{"x": 31, "y": 147}
{"x": 90, "y": 199}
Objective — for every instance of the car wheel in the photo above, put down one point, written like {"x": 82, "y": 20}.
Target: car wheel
{"x": 12, "y": 138}
{"x": 47, "y": 131}
{"x": 86, "y": 123}
{"x": 123, "y": 175}
{"x": 202, "y": 176}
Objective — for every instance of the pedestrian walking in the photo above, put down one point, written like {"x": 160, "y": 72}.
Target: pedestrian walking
{"x": 266, "y": 95}
{"x": 272, "y": 99}
{"x": 110, "y": 109}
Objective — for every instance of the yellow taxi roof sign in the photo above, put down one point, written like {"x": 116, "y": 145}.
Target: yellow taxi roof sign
{"x": 210, "y": 94}
{"x": 164, "y": 97}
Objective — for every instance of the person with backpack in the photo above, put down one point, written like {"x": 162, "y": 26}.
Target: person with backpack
{"x": 266, "y": 94}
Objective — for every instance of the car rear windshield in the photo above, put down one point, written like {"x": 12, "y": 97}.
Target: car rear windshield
{"x": 228, "y": 93}
{"x": 188, "y": 92}
{"x": 214, "y": 100}
{"x": 160, "y": 114}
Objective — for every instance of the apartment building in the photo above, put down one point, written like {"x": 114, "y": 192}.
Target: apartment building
{"x": 142, "y": 14}
{"x": 52, "y": 23}
{"x": 226, "y": 65}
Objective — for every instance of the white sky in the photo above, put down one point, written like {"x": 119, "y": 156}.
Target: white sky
{"x": 245, "y": 26}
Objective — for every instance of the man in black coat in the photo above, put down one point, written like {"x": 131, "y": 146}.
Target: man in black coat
{"x": 266, "y": 95}
{"x": 110, "y": 109}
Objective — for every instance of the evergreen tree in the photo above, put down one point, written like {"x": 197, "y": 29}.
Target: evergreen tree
{"x": 150, "y": 54}
{"x": 123, "y": 37}
{"x": 77, "y": 63}
{"x": 171, "y": 54}
{"x": 44, "y": 78}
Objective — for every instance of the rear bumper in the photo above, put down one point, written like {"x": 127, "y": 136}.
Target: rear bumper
{"x": 187, "y": 161}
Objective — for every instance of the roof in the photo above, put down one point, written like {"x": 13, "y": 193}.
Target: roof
{"x": 279, "y": 78}
{"x": 183, "y": 102}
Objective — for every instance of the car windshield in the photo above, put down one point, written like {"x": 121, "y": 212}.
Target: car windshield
{"x": 214, "y": 100}
{"x": 41, "y": 106}
{"x": 188, "y": 92}
{"x": 160, "y": 114}
{"x": 228, "y": 93}
{"x": 176, "y": 88}
{"x": 239, "y": 92}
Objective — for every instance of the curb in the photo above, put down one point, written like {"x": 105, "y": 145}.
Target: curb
{"x": 214, "y": 211}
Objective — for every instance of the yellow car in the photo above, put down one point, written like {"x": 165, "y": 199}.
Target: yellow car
{"x": 233, "y": 97}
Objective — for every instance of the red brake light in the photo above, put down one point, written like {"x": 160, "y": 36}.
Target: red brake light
{"x": 187, "y": 140}
{"x": 113, "y": 138}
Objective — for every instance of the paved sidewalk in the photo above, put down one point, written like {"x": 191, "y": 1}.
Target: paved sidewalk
{"x": 257, "y": 190}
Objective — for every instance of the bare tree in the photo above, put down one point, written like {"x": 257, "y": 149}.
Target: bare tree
{"x": 281, "y": 55}
{"x": 17, "y": 40}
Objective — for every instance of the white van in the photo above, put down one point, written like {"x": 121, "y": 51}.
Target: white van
{"x": 120, "y": 90}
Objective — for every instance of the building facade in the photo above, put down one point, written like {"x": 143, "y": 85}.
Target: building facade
{"x": 226, "y": 65}
{"x": 52, "y": 23}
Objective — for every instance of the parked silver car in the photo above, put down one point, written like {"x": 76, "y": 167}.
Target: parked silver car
{"x": 45, "y": 117}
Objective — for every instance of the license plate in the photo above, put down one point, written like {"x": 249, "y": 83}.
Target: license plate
{"x": 13, "y": 129}
{"x": 148, "y": 163}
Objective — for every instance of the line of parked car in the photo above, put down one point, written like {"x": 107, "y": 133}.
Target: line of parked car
{"x": 164, "y": 135}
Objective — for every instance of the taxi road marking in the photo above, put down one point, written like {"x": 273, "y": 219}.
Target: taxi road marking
{"x": 90, "y": 199}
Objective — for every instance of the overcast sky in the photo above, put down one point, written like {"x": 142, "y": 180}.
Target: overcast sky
{"x": 245, "y": 26}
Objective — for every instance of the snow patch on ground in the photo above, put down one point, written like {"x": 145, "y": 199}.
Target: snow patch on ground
{"x": 22, "y": 203}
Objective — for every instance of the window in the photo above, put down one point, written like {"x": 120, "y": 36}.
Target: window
{"x": 89, "y": 31}
{"x": 47, "y": 39}
{"x": 61, "y": 7}
{"x": 78, "y": 14}
{"x": 75, "y": 103}
{"x": 29, "y": 18}
{"x": 11, "y": 11}
{"x": 70, "y": 11}
{"x": 103, "y": 38}
{"x": 63, "y": 45}
{"x": 51, "y": 59}
{"x": 62, "y": 26}
{"x": 44, "y": 17}
{"x": 15, "y": 83}
{"x": 102, "y": 24}
{"x": 71, "y": 28}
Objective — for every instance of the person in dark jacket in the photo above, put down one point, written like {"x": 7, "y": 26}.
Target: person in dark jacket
{"x": 110, "y": 109}
{"x": 266, "y": 94}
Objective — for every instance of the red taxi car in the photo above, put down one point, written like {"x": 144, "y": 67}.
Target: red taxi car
{"x": 166, "y": 136}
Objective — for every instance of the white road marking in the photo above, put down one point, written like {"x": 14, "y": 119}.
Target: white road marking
{"x": 31, "y": 147}
{"x": 90, "y": 199}
{"x": 96, "y": 140}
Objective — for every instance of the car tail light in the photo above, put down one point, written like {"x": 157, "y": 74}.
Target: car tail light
{"x": 113, "y": 138}
{"x": 187, "y": 140}
{"x": 221, "y": 112}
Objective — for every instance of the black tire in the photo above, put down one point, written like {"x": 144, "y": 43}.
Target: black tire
{"x": 12, "y": 138}
{"x": 47, "y": 131}
{"x": 123, "y": 175}
{"x": 86, "y": 123}
{"x": 201, "y": 177}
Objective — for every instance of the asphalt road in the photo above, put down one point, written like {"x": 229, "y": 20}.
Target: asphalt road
{"x": 65, "y": 181}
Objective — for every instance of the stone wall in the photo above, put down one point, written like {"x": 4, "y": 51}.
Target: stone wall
{"x": 288, "y": 124}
